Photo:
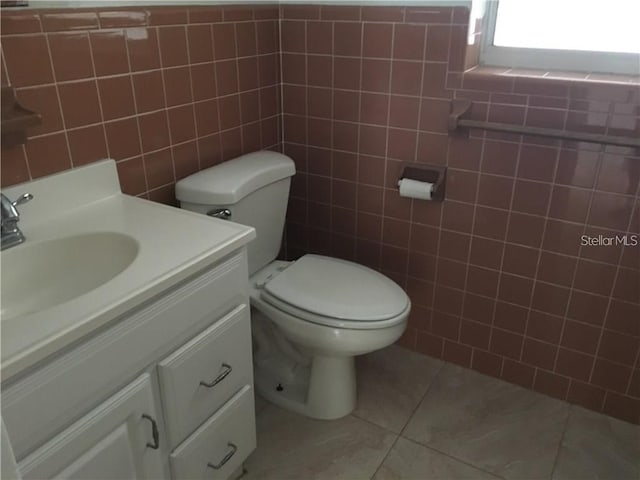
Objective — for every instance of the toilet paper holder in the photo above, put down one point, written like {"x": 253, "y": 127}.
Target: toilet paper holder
{"x": 428, "y": 173}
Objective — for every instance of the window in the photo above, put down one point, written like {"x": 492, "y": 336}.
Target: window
{"x": 582, "y": 35}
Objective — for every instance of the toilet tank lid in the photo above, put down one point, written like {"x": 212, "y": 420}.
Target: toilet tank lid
{"x": 231, "y": 181}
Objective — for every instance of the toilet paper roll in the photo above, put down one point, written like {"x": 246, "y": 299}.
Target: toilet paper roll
{"x": 415, "y": 189}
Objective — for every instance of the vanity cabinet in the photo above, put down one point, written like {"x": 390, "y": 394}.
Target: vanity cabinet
{"x": 166, "y": 391}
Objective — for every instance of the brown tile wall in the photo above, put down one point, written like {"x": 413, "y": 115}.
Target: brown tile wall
{"x": 498, "y": 278}
{"x": 165, "y": 91}
{"x": 496, "y": 273}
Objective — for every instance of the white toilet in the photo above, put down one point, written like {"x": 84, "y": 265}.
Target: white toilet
{"x": 311, "y": 317}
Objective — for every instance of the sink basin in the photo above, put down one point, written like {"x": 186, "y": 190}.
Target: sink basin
{"x": 41, "y": 275}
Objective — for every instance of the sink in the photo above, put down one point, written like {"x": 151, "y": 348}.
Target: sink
{"x": 41, "y": 275}
{"x": 92, "y": 256}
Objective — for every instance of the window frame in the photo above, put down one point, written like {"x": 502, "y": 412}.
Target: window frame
{"x": 549, "y": 60}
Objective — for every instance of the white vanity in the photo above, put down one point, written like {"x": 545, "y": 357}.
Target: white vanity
{"x": 130, "y": 357}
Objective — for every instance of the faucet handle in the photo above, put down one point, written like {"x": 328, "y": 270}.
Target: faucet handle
{"x": 9, "y": 211}
{"x": 22, "y": 199}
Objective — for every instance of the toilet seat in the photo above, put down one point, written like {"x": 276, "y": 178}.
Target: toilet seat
{"x": 336, "y": 293}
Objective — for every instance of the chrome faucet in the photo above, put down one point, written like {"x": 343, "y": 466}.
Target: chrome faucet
{"x": 11, "y": 234}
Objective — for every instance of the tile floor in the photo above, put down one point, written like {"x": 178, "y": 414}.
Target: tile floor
{"x": 421, "y": 418}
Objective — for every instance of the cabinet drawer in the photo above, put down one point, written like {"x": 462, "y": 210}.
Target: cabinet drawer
{"x": 203, "y": 374}
{"x": 221, "y": 444}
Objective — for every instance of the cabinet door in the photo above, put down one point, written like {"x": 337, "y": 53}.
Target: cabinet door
{"x": 116, "y": 440}
{"x": 111, "y": 457}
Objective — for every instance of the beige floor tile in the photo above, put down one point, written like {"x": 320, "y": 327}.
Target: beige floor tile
{"x": 491, "y": 424}
{"x": 391, "y": 383}
{"x": 291, "y": 446}
{"x": 261, "y": 404}
{"x": 598, "y": 447}
{"x": 412, "y": 461}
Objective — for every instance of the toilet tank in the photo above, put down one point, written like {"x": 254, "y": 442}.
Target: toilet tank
{"x": 255, "y": 188}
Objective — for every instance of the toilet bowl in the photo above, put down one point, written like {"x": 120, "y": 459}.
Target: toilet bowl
{"x": 310, "y": 317}
{"x": 317, "y": 379}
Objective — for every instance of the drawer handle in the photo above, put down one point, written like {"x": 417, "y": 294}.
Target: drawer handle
{"x": 226, "y": 371}
{"x": 154, "y": 429}
{"x": 226, "y": 458}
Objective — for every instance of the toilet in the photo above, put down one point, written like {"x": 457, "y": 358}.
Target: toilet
{"x": 310, "y": 317}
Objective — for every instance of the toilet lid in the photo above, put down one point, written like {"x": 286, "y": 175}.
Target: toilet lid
{"x": 338, "y": 289}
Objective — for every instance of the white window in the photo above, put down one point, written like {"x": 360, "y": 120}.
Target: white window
{"x": 581, "y": 35}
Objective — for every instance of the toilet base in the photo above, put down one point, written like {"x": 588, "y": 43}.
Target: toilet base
{"x": 312, "y": 384}
{"x": 324, "y": 390}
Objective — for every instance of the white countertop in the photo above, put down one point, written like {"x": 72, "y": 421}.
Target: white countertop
{"x": 173, "y": 244}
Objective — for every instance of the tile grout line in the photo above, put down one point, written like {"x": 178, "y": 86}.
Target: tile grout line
{"x": 468, "y": 263}
{"x": 280, "y": 86}
{"x": 259, "y": 87}
{"x": 616, "y": 194}
{"x": 441, "y": 222}
{"x": 193, "y": 108}
{"x": 135, "y": 108}
{"x": 237, "y": 69}
{"x": 426, "y": 392}
{"x": 428, "y": 389}
{"x": 571, "y": 286}
{"x": 102, "y": 123}
{"x": 503, "y": 242}
{"x": 564, "y": 432}
{"x": 456, "y": 459}
{"x": 149, "y": 112}
{"x": 524, "y": 277}
{"x": 163, "y": 69}
{"x": 537, "y": 270}
{"x": 634, "y": 365}
{"x": 569, "y": 411}
{"x": 490, "y": 139}
{"x": 64, "y": 123}
{"x": 358, "y": 129}
{"x": 410, "y": 416}
{"x": 386, "y": 138}
{"x": 22, "y": 147}
{"x": 384, "y": 459}
{"x": 480, "y": 102}
{"x": 387, "y": 128}
{"x": 331, "y": 132}
{"x": 492, "y": 239}
{"x": 415, "y": 158}
{"x": 216, "y": 99}
{"x": 137, "y": 118}
{"x": 611, "y": 290}
{"x": 332, "y": 28}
